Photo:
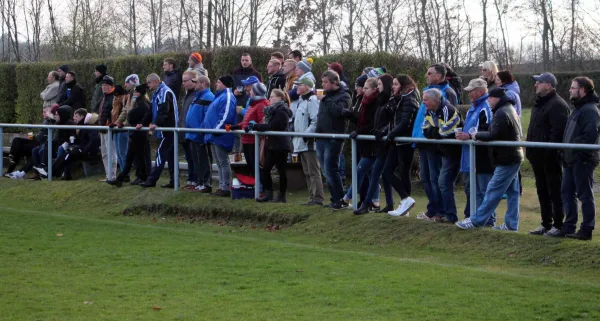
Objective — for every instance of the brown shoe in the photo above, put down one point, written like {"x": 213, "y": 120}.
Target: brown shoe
{"x": 189, "y": 187}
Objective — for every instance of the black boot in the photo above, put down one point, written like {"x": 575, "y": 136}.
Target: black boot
{"x": 387, "y": 208}
{"x": 267, "y": 196}
{"x": 363, "y": 209}
{"x": 280, "y": 198}
{"x": 584, "y": 234}
{"x": 115, "y": 182}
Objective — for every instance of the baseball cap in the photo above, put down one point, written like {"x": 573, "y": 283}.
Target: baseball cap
{"x": 476, "y": 83}
{"x": 305, "y": 81}
{"x": 547, "y": 78}
{"x": 250, "y": 81}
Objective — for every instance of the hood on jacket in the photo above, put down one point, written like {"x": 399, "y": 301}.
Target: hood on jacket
{"x": 589, "y": 98}
{"x": 71, "y": 84}
{"x": 503, "y": 102}
{"x": 91, "y": 119}
{"x": 64, "y": 112}
{"x": 514, "y": 86}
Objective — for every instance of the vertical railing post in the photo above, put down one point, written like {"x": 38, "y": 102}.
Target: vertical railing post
{"x": 354, "y": 176}
{"x": 256, "y": 166}
{"x": 176, "y": 161}
{"x": 2, "y": 148}
{"x": 472, "y": 180}
{"x": 49, "y": 155}
{"x": 109, "y": 152}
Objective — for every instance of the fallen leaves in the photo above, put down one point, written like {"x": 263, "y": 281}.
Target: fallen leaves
{"x": 60, "y": 235}
{"x": 156, "y": 308}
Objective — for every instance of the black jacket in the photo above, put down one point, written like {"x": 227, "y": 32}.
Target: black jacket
{"x": 547, "y": 124}
{"x": 277, "y": 118}
{"x": 364, "y": 118}
{"x": 88, "y": 141}
{"x": 240, "y": 73}
{"x": 505, "y": 126}
{"x": 381, "y": 124}
{"x": 74, "y": 96}
{"x": 402, "y": 115}
{"x": 583, "y": 127}
{"x": 105, "y": 109}
{"x": 445, "y": 119}
{"x": 330, "y": 119}
{"x": 65, "y": 114}
{"x": 140, "y": 114}
{"x": 277, "y": 81}
{"x": 354, "y": 108}
{"x": 173, "y": 81}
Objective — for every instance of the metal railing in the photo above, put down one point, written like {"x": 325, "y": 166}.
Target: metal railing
{"x": 472, "y": 144}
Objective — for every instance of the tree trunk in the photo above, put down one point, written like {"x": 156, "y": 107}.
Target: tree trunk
{"x": 484, "y": 8}
{"x": 506, "y": 61}
{"x": 427, "y": 32}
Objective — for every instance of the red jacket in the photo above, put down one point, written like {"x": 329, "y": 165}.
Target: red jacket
{"x": 255, "y": 112}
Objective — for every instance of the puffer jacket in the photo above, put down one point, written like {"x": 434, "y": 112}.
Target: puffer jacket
{"x": 505, "y": 126}
{"x": 305, "y": 121}
{"x": 277, "y": 117}
{"x": 402, "y": 115}
{"x": 330, "y": 119}
{"x": 50, "y": 94}
{"x": 254, "y": 112}
{"x": 547, "y": 124}
{"x": 583, "y": 127}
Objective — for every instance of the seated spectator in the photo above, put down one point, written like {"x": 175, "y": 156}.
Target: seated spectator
{"x": 277, "y": 117}
{"x": 21, "y": 148}
{"x": 60, "y": 138}
{"x": 85, "y": 146}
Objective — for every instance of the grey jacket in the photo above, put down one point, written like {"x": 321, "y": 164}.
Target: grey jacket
{"x": 50, "y": 94}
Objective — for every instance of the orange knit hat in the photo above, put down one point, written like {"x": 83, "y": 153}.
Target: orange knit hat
{"x": 196, "y": 56}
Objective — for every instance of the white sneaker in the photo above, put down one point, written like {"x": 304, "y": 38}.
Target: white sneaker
{"x": 405, "y": 206}
{"x": 19, "y": 175}
{"x": 41, "y": 170}
{"x": 200, "y": 187}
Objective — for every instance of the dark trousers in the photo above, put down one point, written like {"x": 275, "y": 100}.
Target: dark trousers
{"x": 189, "y": 157}
{"x": 249, "y": 155}
{"x": 138, "y": 152}
{"x": 399, "y": 156}
{"x": 578, "y": 183}
{"x": 63, "y": 163}
{"x": 275, "y": 158}
{"x": 20, "y": 148}
{"x": 548, "y": 179}
{"x": 164, "y": 154}
{"x": 202, "y": 164}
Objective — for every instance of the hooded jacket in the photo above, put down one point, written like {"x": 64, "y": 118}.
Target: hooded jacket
{"x": 277, "y": 117}
{"x": 583, "y": 127}
{"x": 173, "y": 81}
{"x": 305, "y": 121}
{"x": 505, "y": 126}
{"x": 196, "y": 114}
{"x": 277, "y": 81}
{"x": 50, "y": 94}
{"x": 440, "y": 124}
{"x": 254, "y": 112}
{"x": 513, "y": 91}
{"x": 330, "y": 119}
{"x": 478, "y": 117}
{"x": 220, "y": 113}
{"x": 74, "y": 96}
{"x": 547, "y": 124}
{"x": 164, "y": 109}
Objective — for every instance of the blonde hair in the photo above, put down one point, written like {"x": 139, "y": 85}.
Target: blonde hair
{"x": 372, "y": 82}
{"x": 191, "y": 73}
{"x": 283, "y": 95}
{"x": 492, "y": 68}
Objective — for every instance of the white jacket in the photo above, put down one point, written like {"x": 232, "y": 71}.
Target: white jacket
{"x": 305, "y": 120}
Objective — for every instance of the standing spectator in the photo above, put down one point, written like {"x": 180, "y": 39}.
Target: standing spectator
{"x": 357, "y": 97}
{"x": 120, "y": 138}
{"x": 505, "y": 126}
{"x": 506, "y": 80}
{"x": 62, "y": 87}
{"x": 277, "y": 78}
{"x": 50, "y": 94}
{"x": 303, "y": 70}
{"x": 131, "y": 82}
{"x": 440, "y": 123}
{"x": 164, "y": 114}
{"x": 489, "y": 73}
{"x": 296, "y": 55}
{"x": 331, "y": 120}
{"x": 138, "y": 152}
{"x": 254, "y": 113}
{"x": 289, "y": 70}
{"x": 105, "y": 114}
{"x": 305, "y": 121}
{"x": 454, "y": 81}
{"x": 221, "y": 112}
{"x": 430, "y": 159}
{"x": 195, "y": 63}
{"x": 337, "y": 67}
{"x": 278, "y": 56}
{"x": 172, "y": 76}
{"x": 189, "y": 84}
{"x": 583, "y": 127}
{"x": 277, "y": 118}
{"x": 99, "y": 73}
{"x": 478, "y": 119}
{"x": 74, "y": 96}
{"x": 195, "y": 117}
{"x": 547, "y": 124}
{"x": 244, "y": 71}
{"x": 401, "y": 112}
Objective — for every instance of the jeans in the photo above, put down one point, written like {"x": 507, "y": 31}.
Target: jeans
{"x": 399, "y": 156}
{"x": 362, "y": 171}
{"x": 60, "y": 151}
{"x": 376, "y": 172}
{"x": 504, "y": 180}
{"x": 189, "y": 157}
{"x": 312, "y": 172}
{"x": 548, "y": 180}
{"x": 578, "y": 183}
{"x": 164, "y": 154}
{"x": 431, "y": 164}
{"x": 202, "y": 164}
{"x": 482, "y": 181}
{"x": 121, "y": 140}
{"x": 113, "y": 157}
{"x": 447, "y": 180}
{"x": 328, "y": 152}
{"x": 221, "y": 158}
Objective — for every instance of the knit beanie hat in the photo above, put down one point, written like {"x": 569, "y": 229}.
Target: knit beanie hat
{"x": 64, "y": 68}
{"x": 497, "y": 92}
{"x": 101, "y": 69}
{"x": 259, "y": 89}
{"x": 133, "y": 80}
{"x": 197, "y": 57}
{"x": 142, "y": 89}
{"x": 227, "y": 80}
{"x": 337, "y": 67}
{"x": 367, "y": 69}
{"x": 361, "y": 80}
{"x": 304, "y": 65}
{"x": 119, "y": 90}
{"x": 376, "y": 72}
{"x": 108, "y": 80}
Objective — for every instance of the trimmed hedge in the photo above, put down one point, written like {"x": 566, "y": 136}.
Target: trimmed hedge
{"x": 8, "y": 93}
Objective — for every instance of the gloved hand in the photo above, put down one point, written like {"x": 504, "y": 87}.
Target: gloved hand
{"x": 251, "y": 125}
{"x": 353, "y": 135}
{"x": 379, "y": 134}
{"x": 234, "y": 127}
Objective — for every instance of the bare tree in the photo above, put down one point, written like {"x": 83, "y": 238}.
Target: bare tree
{"x": 484, "y": 35}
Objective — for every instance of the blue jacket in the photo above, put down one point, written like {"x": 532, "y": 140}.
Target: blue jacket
{"x": 444, "y": 88}
{"x": 479, "y": 117}
{"x": 220, "y": 113}
{"x": 196, "y": 113}
{"x": 513, "y": 91}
